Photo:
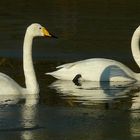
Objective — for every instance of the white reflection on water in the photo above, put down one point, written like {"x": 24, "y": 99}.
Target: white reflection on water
{"x": 89, "y": 93}
{"x": 28, "y": 116}
{"x": 14, "y": 99}
{"x": 136, "y": 101}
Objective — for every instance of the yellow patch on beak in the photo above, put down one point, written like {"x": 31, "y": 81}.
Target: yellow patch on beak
{"x": 45, "y": 32}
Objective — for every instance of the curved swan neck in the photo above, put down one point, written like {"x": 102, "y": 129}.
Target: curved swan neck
{"x": 135, "y": 46}
{"x": 30, "y": 77}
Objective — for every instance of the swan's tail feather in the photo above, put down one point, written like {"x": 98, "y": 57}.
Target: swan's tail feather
{"x": 48, "y": 73}
{"x": 53, "y": 74}
{"x": 69, "y": 65}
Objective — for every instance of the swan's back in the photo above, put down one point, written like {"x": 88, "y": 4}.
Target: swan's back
{"x": 96, "y": 69}
{"x": 9, "y": 86}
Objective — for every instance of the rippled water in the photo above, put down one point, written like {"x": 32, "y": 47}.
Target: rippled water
{"x": 63, "y": 110}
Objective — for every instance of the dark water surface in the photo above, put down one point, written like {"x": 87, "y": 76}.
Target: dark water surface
{"x": 64, "y": 111}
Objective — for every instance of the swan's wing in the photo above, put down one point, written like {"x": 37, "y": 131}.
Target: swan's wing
{"x": 5, "y": 77}
{"x": 8, "y": 86}
{"x": 69, "y": 65}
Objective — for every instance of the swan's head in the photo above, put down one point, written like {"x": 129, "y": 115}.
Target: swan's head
{"x": 36, "y": 29}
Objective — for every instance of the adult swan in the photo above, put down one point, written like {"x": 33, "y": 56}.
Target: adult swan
{"x": 7, "y": 85}
{"x": 98, "y": 69}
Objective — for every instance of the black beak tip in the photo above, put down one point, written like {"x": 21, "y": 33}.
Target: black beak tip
{"x": 53, "y": 36}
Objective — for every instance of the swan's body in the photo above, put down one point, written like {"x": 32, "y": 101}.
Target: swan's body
{"x": 96, "y": 69}
{"x": 7, "y": 85}
{"x": 99, "y": 69}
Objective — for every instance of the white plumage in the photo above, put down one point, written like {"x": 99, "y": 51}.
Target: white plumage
{"x": 7, "y": 85}
{"x": 99, "y": 69}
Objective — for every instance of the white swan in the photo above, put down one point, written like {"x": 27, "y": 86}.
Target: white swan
{"x": 7, "y": 85}
{"x": 99, "y": 69}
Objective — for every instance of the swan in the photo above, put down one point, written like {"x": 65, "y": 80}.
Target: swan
{"x": 7, "y": 85}
{"x": 100, "y": 69}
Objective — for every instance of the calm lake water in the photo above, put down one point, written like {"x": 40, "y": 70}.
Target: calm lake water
{"x": 64, "y": 111}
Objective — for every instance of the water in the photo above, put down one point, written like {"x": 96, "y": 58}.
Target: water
{"x": 63, "y": 110}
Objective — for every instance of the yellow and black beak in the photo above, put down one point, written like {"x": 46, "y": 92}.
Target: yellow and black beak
{"x": 47, "y": 34}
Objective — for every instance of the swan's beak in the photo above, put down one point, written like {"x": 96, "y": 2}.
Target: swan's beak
{"x": 53, "y": 36}
{"x": 47, "y": 34}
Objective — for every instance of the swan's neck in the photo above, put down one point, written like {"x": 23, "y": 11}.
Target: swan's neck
{"x": 135, "y": 46}
{"x": 30, "y": 77}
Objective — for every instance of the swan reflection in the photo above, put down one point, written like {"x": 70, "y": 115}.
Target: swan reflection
{"x": 26, "y": 110}
{"x": 29, "y": 116}
{"x": 136, "y": 101}
{"x": 91, "y": 93}
{"x": 28, "y": 99}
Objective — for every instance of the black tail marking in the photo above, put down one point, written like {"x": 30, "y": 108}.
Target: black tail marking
{"x": 76, "y": 79}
